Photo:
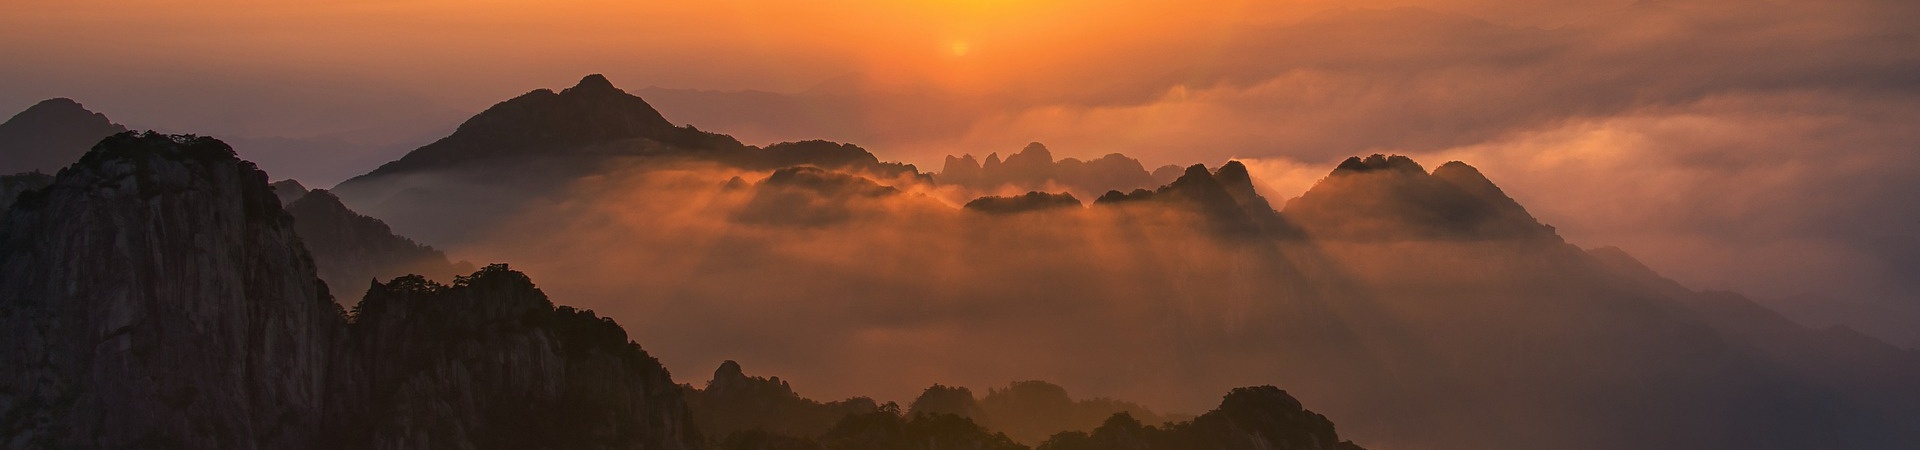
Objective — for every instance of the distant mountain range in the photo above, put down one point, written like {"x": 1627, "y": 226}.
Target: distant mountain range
{"x": 162, "y": 295}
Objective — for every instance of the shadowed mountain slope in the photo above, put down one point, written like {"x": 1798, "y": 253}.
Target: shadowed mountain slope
{"x": 50, "y": 135}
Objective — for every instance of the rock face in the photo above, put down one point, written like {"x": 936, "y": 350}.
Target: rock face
{"x": 11, "y": 186}
{"x": 351, "y": 249}
{"x": 156, "y": 295}
{"x": 490, "y": 363}
{"x": 50, "y": 135}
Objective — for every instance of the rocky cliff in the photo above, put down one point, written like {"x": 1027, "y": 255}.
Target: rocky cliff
{"x": 156, "y": 295}
{"x": 11, "y": 186}
{"x": 489, "y": 363}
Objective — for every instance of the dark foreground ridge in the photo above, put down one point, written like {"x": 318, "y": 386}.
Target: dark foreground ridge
{"x": 155, "y": 295}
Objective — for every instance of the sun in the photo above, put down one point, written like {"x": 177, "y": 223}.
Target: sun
{"x": 960, "y": 48}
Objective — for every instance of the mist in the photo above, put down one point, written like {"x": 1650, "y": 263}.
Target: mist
{"x": 858, "y": 285}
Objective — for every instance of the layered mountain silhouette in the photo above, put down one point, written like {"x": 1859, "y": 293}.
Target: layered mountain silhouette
{"x": 1030, "y": 411}
{"x": 757, "y": 413}
{"x": 734, "y": 403}
{"x": 1033, "y": 168}
{"x": 50, "y": 135}
{"x": 1031, "y": 201}
{"x": 532, "y": 146}
{"x": 1392, "y": 198}
{"x": 1262, "y": 417}
{"x": 350, "y": 249}
{"x": 1225, "y": 198}
{"x": 156, "y": 295}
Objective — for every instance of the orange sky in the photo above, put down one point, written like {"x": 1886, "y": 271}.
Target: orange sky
{"x": 1760, "y": 120}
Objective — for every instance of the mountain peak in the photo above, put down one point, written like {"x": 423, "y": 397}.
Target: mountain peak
{"x": 1036, "y": 150}
{"x": 591, "y": 113}
{"x": 1391, "y": 198}
{"x": 56, "y": 103}
{"x": 592, "y": 84}
{"x": 50, "y": 135}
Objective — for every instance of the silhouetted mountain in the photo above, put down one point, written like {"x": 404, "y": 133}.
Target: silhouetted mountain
{"x": 288, "y": 190}
{"x": 1165, "y": 175}
{"x": 1031, "y": 201}
{"x": 1034, "y": 168}
{"x": 734, "y": 406}
{"x": 489, "y": 363}
{"x": 887, "y": 430}
{"x": 810, "y": 196}
{"x": 1254, "y": 418}
{"x": 1493, "y": 308}
{"x": 1032, "y": 411}
{"x": 155, "y": 295}
{"x": 590, "y": 117}
{"x": 1392, "y": 198}
{"x": 50, "y": 135}
{"x": 11, "y": 186}
{"x": 948, "y": 400}
{"x": 1226, "y": 198}
{"x": 1865, "y": 370}
{"x": 531, "y": 147}
{"x": 350, "y": 249}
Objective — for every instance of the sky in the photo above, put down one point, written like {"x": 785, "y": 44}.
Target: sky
{"x": 1765, "y": 146}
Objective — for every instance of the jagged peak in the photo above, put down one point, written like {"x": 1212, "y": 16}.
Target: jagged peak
{"x": 1233, "y": 172}
{"x": 1196, "y": 173}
